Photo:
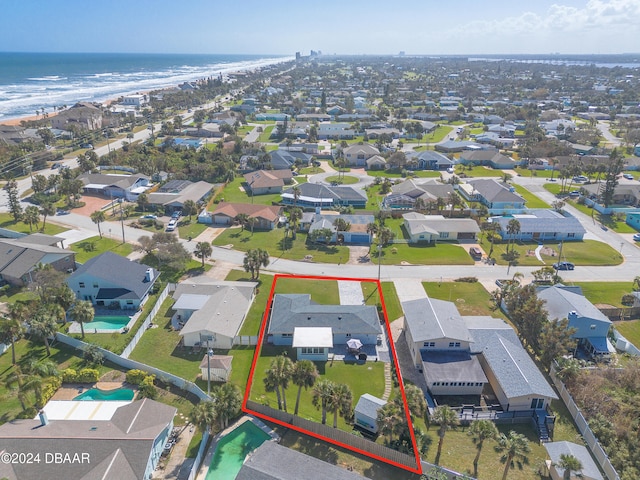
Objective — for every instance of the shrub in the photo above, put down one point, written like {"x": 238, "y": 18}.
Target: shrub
{"x": 93, "y": 355}
{"x": 467, "y": 279}
{"x": 136, "y": 377}
{"x": 628, "y": 299}
{"x": 147, "y": 388}
{"x": 48, "y": 391}
{"x": 88, "y": 375}
{"x": 69, "y": 375}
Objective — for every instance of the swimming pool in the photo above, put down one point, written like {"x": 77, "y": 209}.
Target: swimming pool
{"x": 107, "y": 322}
{"x": 233, "y": 448}
{"x": 97, "y": 394}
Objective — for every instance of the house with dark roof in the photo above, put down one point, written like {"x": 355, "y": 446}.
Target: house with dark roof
{"x": 293, "y": 314}
{"x": 286, "y": 159}
{"x": 627, "y": 194}
{"x": 172, "y": 195}
{"x": 541, "y": 225}
{"x": 428, "y": 160}
{"x": 403, "y": 195}
{"x": 452, "y": 146}
{"x": 495, "y": 195}
{"x": 318, "y": 195}
{"x": 84, "y": 115}
{"x": 592, "y": 326}
{"x": 114, "y": 185}
{"x": 488, "y": 158}
{"x": 431, "y": 228}
{"x": 358, "y": 154}
{"x": 357, "y": 233}
{"x": 263, "y": 182}
{"x": 111, "y": 280}
{"x": 272, "y": 461}
{"x": 126, "y": 446}
{"x": 20, "y": 257}
{"x": 265, "y": 217}
{"x": 211, "y": 314}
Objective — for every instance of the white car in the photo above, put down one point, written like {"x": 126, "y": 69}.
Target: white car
{"x": 628, "y": 176}
{"x": 172, "y": 225}
{"x": 636, "y": 237}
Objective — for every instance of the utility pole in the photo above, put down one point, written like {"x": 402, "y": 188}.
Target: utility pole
{"x": 122, "y": 223}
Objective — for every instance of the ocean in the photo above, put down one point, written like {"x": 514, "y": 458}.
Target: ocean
{"x": 32, "y": 81}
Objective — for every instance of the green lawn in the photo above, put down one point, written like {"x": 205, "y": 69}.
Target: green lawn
{"x": 439, "y": 254}
{"x": 190, "y": 228}
{"x": 470, "y": 298}
{"x": 395, "y": 173}
{"x": 477, "y": 171}
{"x": 554, "y": 188}
{"x": 253, "y": 320}
{"x": 630, "y": 330}
{"x": 391, "y": 301}
{"x": 6, "y": 221}
{"x": 437, "y": 135}
{"x": 343, "y": 179}
{"x": 310, "y": 171}
{"x": 232, "y": 193}
{"x": 94, "y": 246}
{"x": 374, "y": 198}
{"x": 265, "y": 136}
{"x": 323, "y": 292}
{"x": 586, "y": 252}
{"x": 10, "y": 294}
{"x": 273, "y": 241}
{"x": 605, "y": 292}
{"x": 532, "y": 200}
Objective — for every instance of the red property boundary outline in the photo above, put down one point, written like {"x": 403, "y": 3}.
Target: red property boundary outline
{"x": 258, "y": 350}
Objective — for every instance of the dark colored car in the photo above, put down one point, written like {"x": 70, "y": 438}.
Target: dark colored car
{"x": 564, "y": 266}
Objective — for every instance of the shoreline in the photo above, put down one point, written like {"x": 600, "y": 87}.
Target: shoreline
{"x": 16, "y": 121}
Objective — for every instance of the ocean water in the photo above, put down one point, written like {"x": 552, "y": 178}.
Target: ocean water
{"x": 32, "y": 81}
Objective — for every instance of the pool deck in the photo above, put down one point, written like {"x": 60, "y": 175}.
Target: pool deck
{"x": 75, "y": 326}
{"x": 204, "y": 468}
{"x": 68, "y": 391}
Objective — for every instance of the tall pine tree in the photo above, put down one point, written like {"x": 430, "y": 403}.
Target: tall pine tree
{"x": 15, "y": 208}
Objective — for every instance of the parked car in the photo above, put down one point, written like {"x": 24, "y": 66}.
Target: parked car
{"x": 176, "y": 214}
{"x": 564, "y": 266}
{"x": 575, "y": 193}
{"x": 152, "y": 217}
{"x": 55, "y": 165}
{"x": 475, "y": 253}
{"x": 580, "y": 179}
{"x": 62, "y": 212}
{"x": 172, "y": 225}
{"x": 636, "y": 237}
{"x": 628, "y": 176}
{"x": 86, "y": 145}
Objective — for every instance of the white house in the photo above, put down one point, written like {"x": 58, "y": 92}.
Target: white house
{"x": 312, "y": 343}
{"x": 366, "y": 412}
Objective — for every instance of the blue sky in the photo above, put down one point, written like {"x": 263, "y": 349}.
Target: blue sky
{"x": 332, "y": 26}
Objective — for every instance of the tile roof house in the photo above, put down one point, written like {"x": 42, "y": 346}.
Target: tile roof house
{"x": 268, "y": 181}
{"x": 589, "y": 470}
{"x": 592, "y": 326}
{"x": 173, "y": 194}
{"x": 115, "y": 186}
{"x": 493, "y": 194}
{"x": 357, "y": 234}
{"x": 125, "y": 447}
{"x": 292, "y": 311}
{"x": 266, "y": 217}
{"x": 19, "y": 257}
{"x": 110, "y": 279}
{"x": 318, "y": 195}
{"x": 267, "y": 461}
{"x": 212, "y": 311}
{"x": 358, "y": 154}
{"x": 540, "y": 225}
{"x": 431, "y": 228}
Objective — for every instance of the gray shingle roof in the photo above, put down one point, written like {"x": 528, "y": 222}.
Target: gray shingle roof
{"x": 589, "y": 468}
{"x": 275, "y": 462}
{"x": 561, "y": 301}
{"x": 451, "y": 366}
{"x": 543, "y": 221}
{"x": 19, "y": 256}
{"x": 315, "y": 190}
{"x": 431, "y": 319}
{"x": 296, "y": 310}
{"x": 369, "y": 405}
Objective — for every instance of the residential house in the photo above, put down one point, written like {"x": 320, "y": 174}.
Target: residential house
{"x": 633, "y": 220}
{"x": 431, "y": 228}
{"x": 318, "y": 117}
{"x": 366, "y": 412}
{"x": 357, "y": 233}
{"x": 318, "y": 195}
{"x": 111, "y": 280}
{"x": 114, "y": 185}
{"x": 335, "y": 131}
{"x": 216, "y": 368}
{"x": 286, "y": 159}
{"x": 428, "y": 160}
{"x": 376, "y": 163}
{"x": 541, "y": 225}
{"x": 592, "y": 326}
{"x": 495, "y": 195}
{"x": 374, "y": 133}
{"x": 274, "y": 117}
{"x": 173, "y": 194}
{"x": 84, "y": 115}
{"x": 312, "y": 343}
{"x": 125, "y": 444}
{"x": 438, "y": 341}
{"x": 358, "y": 154}
{"x": 211, "y": 314}
{"x": 452, "y": 146}
{"x": 15, "y": 135}
{"x": 208, "y": 130}
{"x": 267, "y": 461}
{"x": 404, "y": 195}
{"x": 265, "y": 217}
{"x": 290, "y": 312}
{"x": 134, "y": 100}
{"x": 268, "y": 181}
{"x": 488, "y": 158}
{"x": 20, "y": 257}
{"x": 627, "y": 194}
{"x": 555, "y": 451}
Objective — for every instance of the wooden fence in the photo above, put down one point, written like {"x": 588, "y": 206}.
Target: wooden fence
{"x": 616, "y": 314}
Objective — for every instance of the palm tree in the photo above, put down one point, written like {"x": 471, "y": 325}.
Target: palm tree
{"x": 203, "y": 415}
{"x": 447, "y": 418}
{"x": 47, "y": 209}
{"x": 415, "y": 401}
{"x": 340, "y": 401}
{"x": 481, "y": 430}
{"x": 295, "y": 215}
{"x": 82, "y": 312}
{"x": 636, "y": 283}
{"x": 31, "y": 216}
{"x": 253, "y": 260}
{"x": 389, "y": 420}
{"x": 227, "y": 401}
{"x": 322, "y": 392}
{"x": 10, "y": 331}
{"x": 242, "y": 219}
{"x": 570, "y": 464}
{"x": 189, "y": 208}
{"x": 453, "y": 200}
{"x": 514, "y": 446}
{"x": 513, "y": 229}
{"x": 98, "y": 217}
{"x": 277, "y": 378}
{"x": 43, "y": 325}
{"x": 20, "y": 379}
{"x": 304, "y": 374}
{"x": 203, "y": 251}
{"x": 295, "y": 190}
{"x": 18, "y": 313}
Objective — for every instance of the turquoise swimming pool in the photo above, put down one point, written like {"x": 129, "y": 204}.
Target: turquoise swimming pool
{"x": 107, "y": 322}
{"x": 232, "y": 449}
{"x": 121, "y": 394}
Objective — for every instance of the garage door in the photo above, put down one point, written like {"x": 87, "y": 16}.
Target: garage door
{"x": 359, "y": 238}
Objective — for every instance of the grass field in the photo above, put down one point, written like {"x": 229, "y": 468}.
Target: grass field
{"x": 605, "y": 292}
{"x": 265, "y": 136}
{"x": 470, "y": 298}
{"x": 532, "y": 200}
{"x": 395, "y": 173}
{"x": 343, "y": 179}
{"x": 6, "y": 221}
{"x": 190, "y": 228}
{"x": 94, "y": 246}
{"x": 477, "y": 171}
{"x": 391, "y": 301}
{"x": 273, "y": 241}
{"x": 439, "y": 254}
{"x": 630, "y": 330}
{"x": 233, "y": 193}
